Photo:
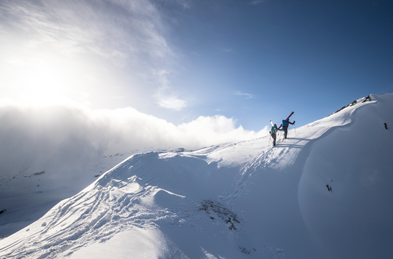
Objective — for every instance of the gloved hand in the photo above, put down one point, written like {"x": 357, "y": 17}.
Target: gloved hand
{"x": 294, "y": 122}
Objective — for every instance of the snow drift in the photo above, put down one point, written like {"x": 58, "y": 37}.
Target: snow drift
{"x": 325, "y": 192}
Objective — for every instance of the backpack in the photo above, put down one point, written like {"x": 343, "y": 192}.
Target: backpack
{"x": 273, "y": 130}
{"x": 284, "y": 123}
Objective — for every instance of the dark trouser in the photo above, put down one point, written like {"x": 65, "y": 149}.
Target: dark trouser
{"x": 274, "y": 138}
{"x": 285, "y": 129}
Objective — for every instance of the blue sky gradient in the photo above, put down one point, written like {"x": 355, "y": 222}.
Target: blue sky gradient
{"x": 177, "y": 60}
{"x": 308, "y": 56}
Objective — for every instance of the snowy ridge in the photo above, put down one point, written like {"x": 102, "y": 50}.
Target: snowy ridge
{"x": 236, "y": 200}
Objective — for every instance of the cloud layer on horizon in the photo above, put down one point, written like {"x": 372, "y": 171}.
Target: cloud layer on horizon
{"x": 66, "y": 137}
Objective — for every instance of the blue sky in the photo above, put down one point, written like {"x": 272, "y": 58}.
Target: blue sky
{"x": 177, "y": 60}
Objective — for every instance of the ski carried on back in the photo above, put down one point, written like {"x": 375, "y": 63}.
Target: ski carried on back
{"x": 286, "y": 119}
{"x": 273, "y": 132}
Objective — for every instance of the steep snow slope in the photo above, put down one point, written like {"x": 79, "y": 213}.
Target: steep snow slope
{"x": 356, "y": 218}
{"x": 27, "y": 195}
{"x": 238, "y": 200}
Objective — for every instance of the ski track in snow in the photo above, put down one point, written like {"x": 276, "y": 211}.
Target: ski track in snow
{"x": 135, "y": 195}
{"x": 93, "y": 216}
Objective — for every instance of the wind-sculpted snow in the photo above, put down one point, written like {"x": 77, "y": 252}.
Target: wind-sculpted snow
{"x": 237, "y": 200}
{"x": 112, "y": 206}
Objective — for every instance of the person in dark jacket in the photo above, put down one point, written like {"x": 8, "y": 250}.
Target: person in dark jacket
{"x": 273, "y": 132}
{"x": 285, "y": 124}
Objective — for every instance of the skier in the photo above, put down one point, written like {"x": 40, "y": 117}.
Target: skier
{"x": 285, "y": 126}
{"x": 272, "y": 132}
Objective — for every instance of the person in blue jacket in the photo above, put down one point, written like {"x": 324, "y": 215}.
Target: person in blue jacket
{"x": 285, "y": 124}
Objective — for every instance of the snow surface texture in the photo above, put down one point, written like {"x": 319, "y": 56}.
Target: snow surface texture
{"x": 29, "y": 194}
{"x": 325, "y": 192}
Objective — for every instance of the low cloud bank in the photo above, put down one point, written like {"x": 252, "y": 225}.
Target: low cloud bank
{"x": 67, "y": 137}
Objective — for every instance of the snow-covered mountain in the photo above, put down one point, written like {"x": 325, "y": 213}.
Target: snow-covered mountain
{"x": 325, "y": 192}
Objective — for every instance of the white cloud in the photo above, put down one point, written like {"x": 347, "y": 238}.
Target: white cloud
{"x": 248, "y": 96}
{"x": 116, "y": 29}
{"x": 165, "y": 97}
{"x": 131, "y": 34}
{"x": 185, "y": 3}
{"x": 257, "y": 2}
{"x": 205, "y": 131}
{"x": 172, "y": 103}
{"x": 68, "y": 136}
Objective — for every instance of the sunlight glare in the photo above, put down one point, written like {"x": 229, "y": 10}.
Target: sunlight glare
{"x": 41, "y": 82}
